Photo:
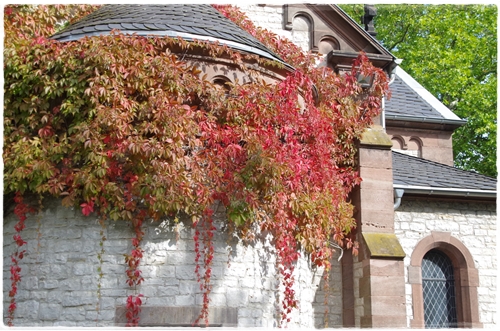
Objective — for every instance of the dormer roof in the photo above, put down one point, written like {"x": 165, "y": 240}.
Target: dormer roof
{"x": 411, "y": 102}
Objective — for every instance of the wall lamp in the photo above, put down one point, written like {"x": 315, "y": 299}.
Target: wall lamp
{"x": 365, "y": 81}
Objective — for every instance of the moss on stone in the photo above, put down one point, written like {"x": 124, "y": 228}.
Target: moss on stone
{"x": 376, "y": 137}
{"x": 383, "y": 245}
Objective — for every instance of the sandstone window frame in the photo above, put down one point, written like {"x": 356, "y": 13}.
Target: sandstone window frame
{"x": 465, "y": 274}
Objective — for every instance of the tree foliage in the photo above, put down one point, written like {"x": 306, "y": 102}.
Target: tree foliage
{"x": 121, "y": 126}
{"x": 452, "y": 51}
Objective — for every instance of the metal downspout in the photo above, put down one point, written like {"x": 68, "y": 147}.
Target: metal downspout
{"x": 398, "y": 194}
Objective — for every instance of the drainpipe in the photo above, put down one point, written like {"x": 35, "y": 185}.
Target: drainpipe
{"x": 398, "y": 194}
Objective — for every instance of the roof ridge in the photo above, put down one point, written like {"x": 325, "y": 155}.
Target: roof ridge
{"x": 418, "y": 96}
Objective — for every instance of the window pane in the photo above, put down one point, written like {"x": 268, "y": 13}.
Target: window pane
{"x": 439, "y": 291}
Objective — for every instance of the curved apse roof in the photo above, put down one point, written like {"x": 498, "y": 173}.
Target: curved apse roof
{"x": 191, "y": 21}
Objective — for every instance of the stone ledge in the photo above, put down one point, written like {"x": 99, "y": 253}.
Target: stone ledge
{"x": 375, "y": 138}
{"x": 383, "y": 245}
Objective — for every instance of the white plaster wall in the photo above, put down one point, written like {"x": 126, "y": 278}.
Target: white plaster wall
{"x": 60, "y": 274}
{"x": 474, "y": 224}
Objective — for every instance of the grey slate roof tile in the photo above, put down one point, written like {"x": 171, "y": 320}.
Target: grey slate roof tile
{"x": 111, "y": 27}
{"x": 88, "y": 29}
{"x": 157, "y": 26}
{"x": 101, "y": 27}
{"x": 405, "y": 101}
{"x": 128, "y": 26}
{"x": 414, "y": 171}
{"x": 199, "y": 20}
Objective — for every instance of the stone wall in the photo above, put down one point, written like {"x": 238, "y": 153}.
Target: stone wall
{"x": 473, "y": 223}
{"x": 271, "y": 17}
{"x": 433, "y": 145}
{"x": 60, "y": 274}
{"x": 267, "y": 17}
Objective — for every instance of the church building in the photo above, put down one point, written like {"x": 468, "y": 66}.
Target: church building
{"x": 426, "y": 230}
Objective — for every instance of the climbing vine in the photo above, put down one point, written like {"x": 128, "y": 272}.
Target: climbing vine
{"x": 134, "y": 274}
{"x": 206, "y": 253}
{"x": 100, "y": 259}
{"x": 91, "y": 121}
{"x": 20, "y": 211}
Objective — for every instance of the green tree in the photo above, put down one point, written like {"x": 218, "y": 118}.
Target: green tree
{"x": 452, "y": 51}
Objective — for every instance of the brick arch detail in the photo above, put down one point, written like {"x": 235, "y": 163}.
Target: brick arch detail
{"x": 401, "y": 141}
{"x": 465, "y": 273}
{"x": 419, "y": 141}
{"x": 221, "y": 79}
{"x": 318, "y": 29}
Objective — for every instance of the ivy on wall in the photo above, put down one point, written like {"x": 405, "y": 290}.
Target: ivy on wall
{"x": 121, "y": 126}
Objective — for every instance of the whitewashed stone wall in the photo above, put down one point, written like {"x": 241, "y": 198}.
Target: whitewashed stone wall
{"x": 60, "y": 274}
{"x": 359, "y": 303}
{"x": 271, "y": 17}
{"x": 268, "y": 17}
{"x": 474, "y": 224}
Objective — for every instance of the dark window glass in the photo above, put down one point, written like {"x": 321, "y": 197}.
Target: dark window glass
{"x": 438, "y": 284}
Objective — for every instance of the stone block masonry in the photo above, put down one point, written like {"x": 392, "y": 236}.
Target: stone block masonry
{"x": 267, "y": 17}
{"x": 60, "y": 275}
{"x": 473, "y": 223}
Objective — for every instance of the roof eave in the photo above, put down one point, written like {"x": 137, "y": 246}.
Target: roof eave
{"x": 454, "y": 124}
{"x": 449, "y": 192}
{"x": 185, "y": 36}
{"x": 342, "y": 60}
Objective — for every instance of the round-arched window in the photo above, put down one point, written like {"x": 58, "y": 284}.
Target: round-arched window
{"x": 438, "y": 285}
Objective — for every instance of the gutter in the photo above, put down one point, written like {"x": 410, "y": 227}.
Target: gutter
{"x": 418, "y": 119}
{"x": 454, "y": 192}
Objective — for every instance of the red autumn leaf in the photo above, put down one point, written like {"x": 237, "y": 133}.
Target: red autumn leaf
{"x": 87, "y": 207}
{"x": 19, "y": 241}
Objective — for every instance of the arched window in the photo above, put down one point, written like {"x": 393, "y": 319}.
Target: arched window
{"x": 413, "y": 147}
{"x": 222, "y": 82}
{"x": 302, "y": 31}
{"x": 442, "y": 257}
{"x": 438, "y": 286}
{"x": 328, "y": 44}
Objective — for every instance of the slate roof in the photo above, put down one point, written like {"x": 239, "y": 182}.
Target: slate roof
{"x": 405, "y": 101}
{"x": 410, "y": 101}
{"x": 411, "y": 171}
{"x": 189, "y": 21}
